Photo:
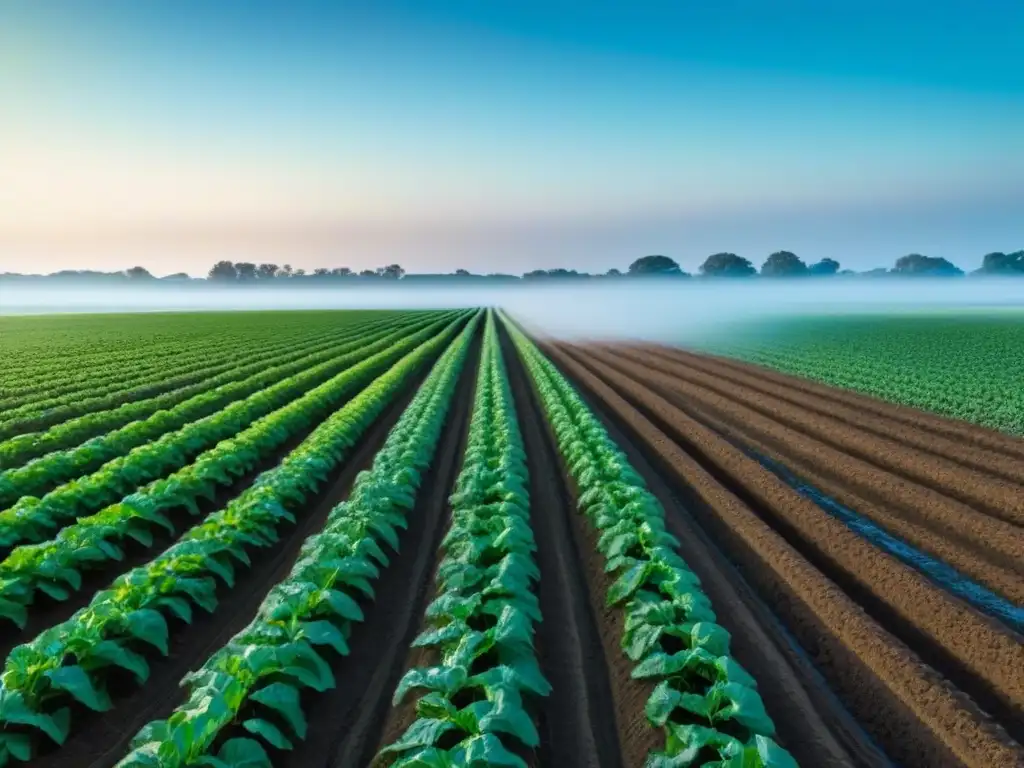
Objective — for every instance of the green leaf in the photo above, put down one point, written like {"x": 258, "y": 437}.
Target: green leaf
{"x": 424, "y": 732}
{"x": 270, "y": 732}
{"x": 509, "y": 716}
{"x": 325, "y": 633}
{"x": 149, "y": 626}
{"x": 74, "y": 680}
{"x": 284, "y": 699}
{"x": 711, "y": 637}
{"x": 431, "y": 757}
{"x": 111, "y": 653}
{"x": 55, "y": 591}
{"x": 343, "y": 605}
{"x": 661, "y": 703}
{"x": 487, "y": 749}
{"x": 244, "y": 753}
{"x": 179, "y": 606}
{"x": 18, "y": 744}
{"x": 13, "y": 709}
{"x": 16, "y": 612}
{"x": 772, "y": 755}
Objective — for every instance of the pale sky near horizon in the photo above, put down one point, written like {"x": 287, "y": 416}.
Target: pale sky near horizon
{"x": 506, "y": 136}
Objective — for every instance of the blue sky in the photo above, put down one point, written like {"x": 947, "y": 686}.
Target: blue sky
{"x": 505, "y": 136}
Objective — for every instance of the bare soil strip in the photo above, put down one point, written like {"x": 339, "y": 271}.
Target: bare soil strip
{"x": 345, "y": 722}
{"x": 959, "y": 432}
{"x": 578, "y": 721}
{"x": 918, "y": 718}
{"x": 100, "y": 740}
{"x": 990, "y": 551}
{"x": 842, "y": 409}
{"x": 889, "y": 464}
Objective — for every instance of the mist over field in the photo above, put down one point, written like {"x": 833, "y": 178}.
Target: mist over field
{"x": 643, "y": 310}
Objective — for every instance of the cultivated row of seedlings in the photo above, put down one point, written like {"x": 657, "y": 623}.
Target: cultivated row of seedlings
{"x": 475, "y": 705}
{"x": 68, "y": 665}
{"x": 247, "y": 698}
{"x": 198, "y": 390}
{"x": 705, "y": 702}
{"x": 74, "y": 460}
{"x": 55, "y": 567}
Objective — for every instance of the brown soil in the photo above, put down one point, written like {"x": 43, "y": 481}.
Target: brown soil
{"x": 785, "y": 546}
{"x": 987, "y": 549}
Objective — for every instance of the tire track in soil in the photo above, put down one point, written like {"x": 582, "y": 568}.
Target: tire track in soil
{"x": 345, "y": 722}
{"x": 811, "y": 721}
{"x": 915, "y": 715}
{"x": 887, "y": 465}
{"x": 577, "y": 722}
{"x": 99, "y": 740}
{"x": 988, "y": 550}
{"x": 843, "y": 410}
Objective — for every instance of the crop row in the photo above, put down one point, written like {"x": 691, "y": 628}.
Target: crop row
{"x": 89, "y": 348}
{"x": 30, "y": 518}
{"x": 71, "y": 661}
{"x": 705, "y": 702}
{"x": 40, "y": 415}
{"x": 474, "y": 705}
{"x": 95, "y": 414}
{"x": 54, "y": 567}
{"x": 59, "y": 466}
{"x": 253, "y": 684}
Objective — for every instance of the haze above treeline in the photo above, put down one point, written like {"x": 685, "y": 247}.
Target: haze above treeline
{"x": 781, "y": 264}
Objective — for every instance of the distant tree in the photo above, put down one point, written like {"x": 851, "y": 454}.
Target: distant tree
{"x": 916, "y": 264}
{"x": 825, "y": 267}
{"x": 463, "y": 273}
{"x": 299, "y": 273}
{"x": 783, "y": 264}
{"x": 138, "y": 273}
{"x": 391, "y": 271}
{"x": 223, "y": 271}
{"x": 613, "y": 272}
{"x": 727, "y": 265}
{"x": 177, "y": 277}
{"x": 246, "y": 271}
{"x": 321, "y": 272}
{"x": 1003, "y": 263}
{"x": 284, "y": 271}
{"x": 655, "y": 265}
{"x": 266, "y": 271}
{"x": 368, "y": 273}
{"x": 342, "y": 272}
{"x": 876, "y": 272}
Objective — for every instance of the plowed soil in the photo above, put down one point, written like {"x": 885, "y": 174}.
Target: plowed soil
{"x": 933, "y": 681}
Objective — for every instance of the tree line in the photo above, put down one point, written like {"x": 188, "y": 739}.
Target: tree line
{"x": 781, "y": 264}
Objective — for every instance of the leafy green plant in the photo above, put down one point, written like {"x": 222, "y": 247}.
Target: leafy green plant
{"x": 705, "y": 702}
{"x": 279, "y": 653}
{"x": 481, "y": 621}
{"x": 68, "y": 661}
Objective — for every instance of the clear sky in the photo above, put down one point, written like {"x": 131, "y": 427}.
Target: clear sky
{"x": 506, "y": 135}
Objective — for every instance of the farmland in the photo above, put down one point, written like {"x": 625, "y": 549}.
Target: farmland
{"x": 396, "y": 539}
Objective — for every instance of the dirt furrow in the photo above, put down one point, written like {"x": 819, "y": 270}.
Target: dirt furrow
{"x": 784, "y": 540}
{"x": 578, "y": 719}
{"x": 879, "y": 460}
{"x": 968, "y": 434}
{"x": 990, "y": 551}
{"x": 100, "y": 740}
{"x": 958, "y": 451}
{"x": 345, "y": 723}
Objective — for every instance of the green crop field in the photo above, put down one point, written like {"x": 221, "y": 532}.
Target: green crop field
{"x": 968, "y": 366}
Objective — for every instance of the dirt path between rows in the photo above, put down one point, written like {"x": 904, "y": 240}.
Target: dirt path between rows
{"x": 918, "y": 718}
{"x": 990, "y": 551}
{"x": 346, "y": 722}
{"x": 577, "y": 723}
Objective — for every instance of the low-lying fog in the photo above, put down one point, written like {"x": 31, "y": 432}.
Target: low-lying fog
{"x": 678, "y": 311}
